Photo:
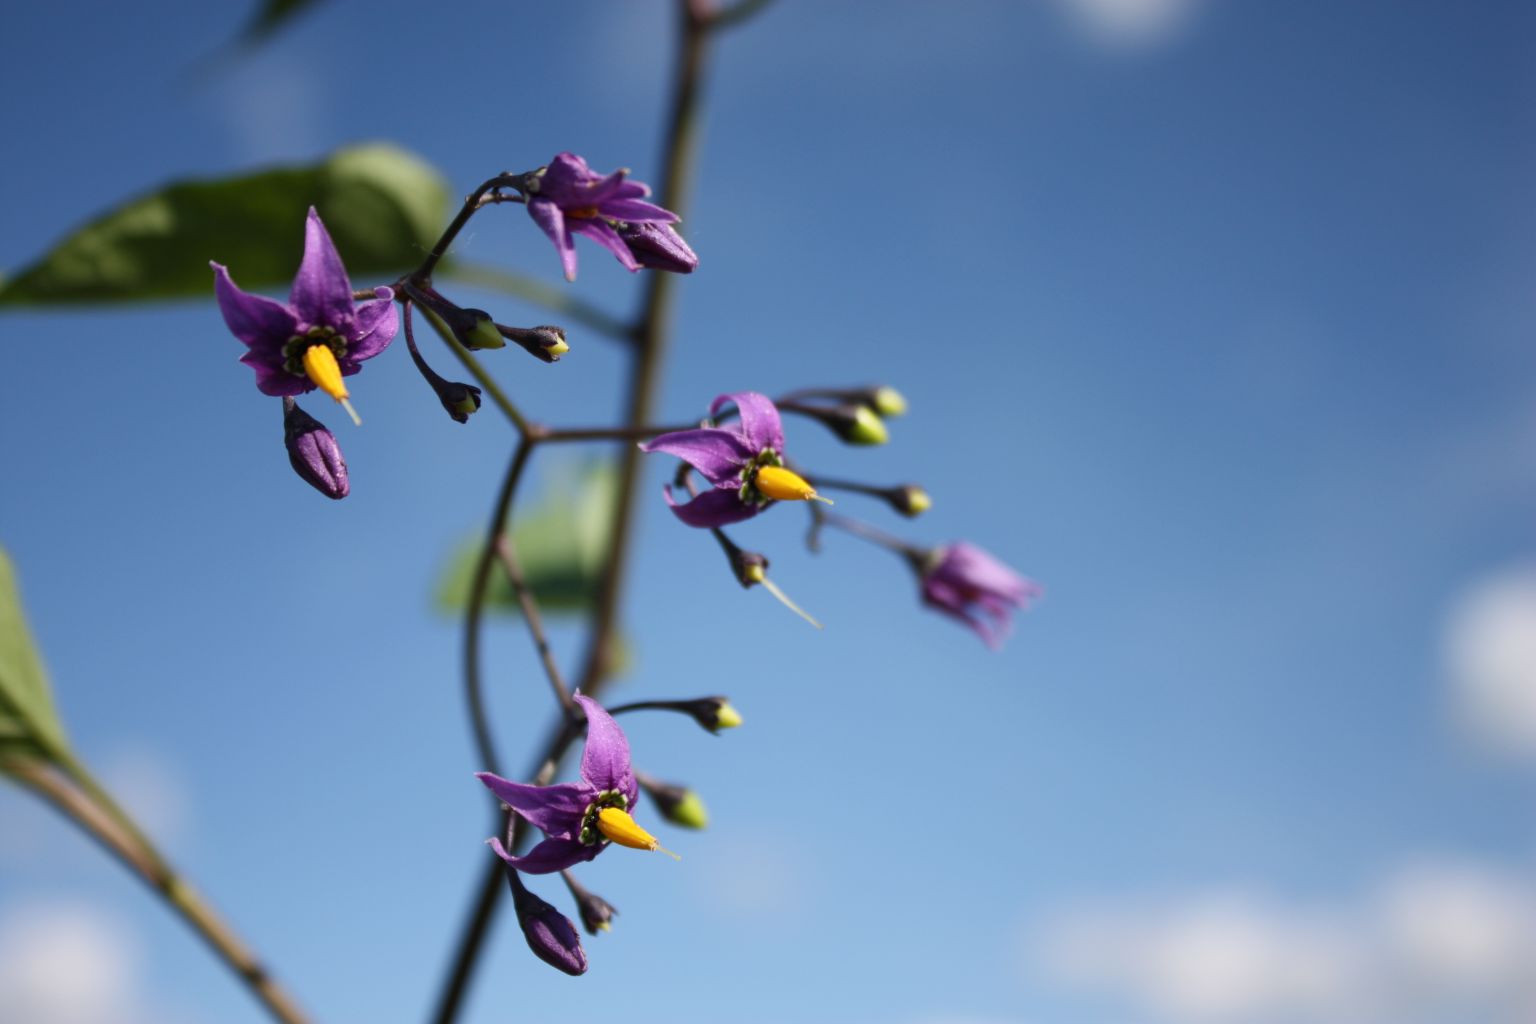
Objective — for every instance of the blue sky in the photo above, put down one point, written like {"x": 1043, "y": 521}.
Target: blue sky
{"x": 1214, "y": 317}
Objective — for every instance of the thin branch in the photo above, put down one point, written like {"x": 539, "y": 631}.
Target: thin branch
{"x": 498, "y": 396}
{"x": 82, "y": 805}
{"x": 473, "y": 203}
{"x": 475, "y": 612}
{"x": 507, "y": 552}
{"x": 537, "y": 292}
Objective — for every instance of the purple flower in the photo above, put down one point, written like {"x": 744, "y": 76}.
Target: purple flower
{"x": 965, "y": 582}
{"x": 744, "y": 462}
{"x": 579, "y": 818}
{"x": 569, "y": 198}
{"x": 313, "y": 452}
{"x": 320, "y": 336}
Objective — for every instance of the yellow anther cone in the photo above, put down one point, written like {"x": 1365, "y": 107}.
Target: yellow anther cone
{"x": 619, "y": 827}
{"x": 782, "y": 484}
{"x": 321, "y": 366}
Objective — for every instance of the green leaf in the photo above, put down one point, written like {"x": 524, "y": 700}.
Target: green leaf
{"x": 560, "y": 543}
{"x": 384, "y": 208}
{"x": 271, "y": 16}
{"x": 29, "y": 725}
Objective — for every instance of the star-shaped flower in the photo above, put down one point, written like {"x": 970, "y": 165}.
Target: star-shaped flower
{"x": 320, "y": 335}
{"x": 744, "y": 462}
{"x": 964, "y": 582}
{"x": 569, "y": 198}
{"x": 581, "y": 818}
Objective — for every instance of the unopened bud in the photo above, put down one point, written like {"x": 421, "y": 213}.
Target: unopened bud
{"x": 313, "y": 452}
{"x": 887, "y": 401}
{"x": 596, "y": 913}
{"x": 546, "y": 342}
{"x": 853, "y": 423}
{"x": 678, "y": 804}
{"x": 713, "y": 713}
{"x": 482, "y": 334}
{"x": 659, "y": 247}
{"x": 460, "y": 400}
{"x": 909, "y": 499}
{"x": 550, "y": 934}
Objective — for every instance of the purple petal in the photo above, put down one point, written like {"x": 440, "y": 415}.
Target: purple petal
{"x": 760, "y": 423}
{"x": 605, "y": 759}
{"x": 272, "y": 379}
{"x": 262, "y": 323}
{"x": 567, "y": 179}
{"x": 549, "y": 856}
{"x": 946, "y": 599}
{"x": 604, "y": 189}
{"x": 601, "y": 232}
{"x": 718, "y": 454}
{"x": 977, "y": 573}
{"x": 636, "y": 212}
{"x": 321, "y": 294}
{"x": 555, "y": 810}
{"x": 720, "y": 506}
{"x": 551, "y": 218}
{"x": 377, "y": 322}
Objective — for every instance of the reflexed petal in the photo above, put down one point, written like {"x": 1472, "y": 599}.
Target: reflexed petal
{"x": 946, "y": 599}
{"x": 549, "y": 856}
{"x": 601, "y": 232}
{"x": 321, "y": 293}
{"x": 272, "y": 379}
{"x": 377, "y": 322}
{"x": 720, "y": 506}
{"x": 974, "y": 571}
{"x": 637, "y": 212}
{"x": 760, "y": 423}
{"x": 603, "y": 189}
{"x": 718, "y": 454}
{"x": 262, "y": 323}
{"x": 567, "y": 180}
{"x": 605, "y": 759}
{"x": 555, "y": 810}
{"x": 549, "y": 216}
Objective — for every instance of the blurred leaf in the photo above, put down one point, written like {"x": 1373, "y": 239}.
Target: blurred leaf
{"x": 383, "y": 206}
{"x": 560, "y": 542}
{"x": 271, "y": 16}
{"x": 29, "y": 725}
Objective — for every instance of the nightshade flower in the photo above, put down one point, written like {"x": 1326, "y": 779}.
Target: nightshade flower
{"x": 965, "y": 582}
{"x": 569, "y": 198}
{"x": 579, "y": 818}
{"x": 320, "y": 335}
{"x": 744, "y": 462}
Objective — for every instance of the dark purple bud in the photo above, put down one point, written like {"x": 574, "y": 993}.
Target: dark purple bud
{"x": 596, "y": 912}
{"x": 713, "y": 713}
{"x": 550, "y": 934}
{"x": 546, "y": 342}
{"x": 313, "y": 452}
{"x": 659, "y": 247}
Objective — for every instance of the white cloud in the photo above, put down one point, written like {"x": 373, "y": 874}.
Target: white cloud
{"x": 68, "y": 964}
{"x": 1431, "y": 943}
{"x": 1131, "y": 22}
{"x": 1490, "y": 650}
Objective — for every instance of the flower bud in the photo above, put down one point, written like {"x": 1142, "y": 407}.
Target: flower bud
{"x": 886, "y": 401}
{"x": 550, "y": 934}
{"x": 853, "y": 423}
{"x": 313, "y": 452}
{"x": 678, "y": 804}
{"x": 713, "y": 713}
{"x": 908, "y": 499}
{"x": 546, "y": 342}
{"x": 596, "y": 913}
{"x": 460, "y": 400}
{"x": 482, "y": 334}
{"x": 659, "y": 247}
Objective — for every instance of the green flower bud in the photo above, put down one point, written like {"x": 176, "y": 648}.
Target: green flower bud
{"x": 867, "y": 428}
{"x": 887, "y": 401}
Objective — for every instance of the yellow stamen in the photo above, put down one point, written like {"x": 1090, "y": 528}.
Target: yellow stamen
{"x": 583, "y": 212}
{"x": 619, "y": 827}
{"x": 321, "y": 366}
{"x": 785, "y": 485}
